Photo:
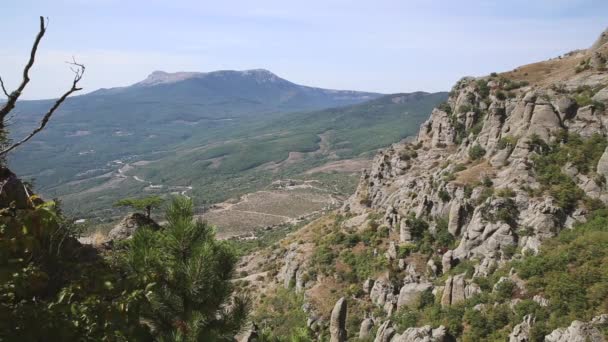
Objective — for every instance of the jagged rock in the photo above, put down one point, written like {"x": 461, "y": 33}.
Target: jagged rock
{"x": 438, "y": 131}
{"x": 456, "y": 290}
{"x": 601, "y": 40}
{"x": 566, "y": 107}
{"x": 423, "y": 334}
{"x": 447, "y": 261}
{"x": 521, "y": 332}
{"x": 588, "y": 122}
{"x": 129, "y": 225}
{"x": 366, "y": 328}
{"x": 432, "y": 267}
{"x": 483, "y": 237}
{"x": 456, "y": 218}
{"x": 381, "y": 291}
{"x": 542, "y": 301}
{"x": 602, "y": 165}
{"x": 385, "y": 332}
{"x": 411, "y": 291}
{"x": 579, "y": 331}
{"x": 337, "y": 323}
{"x": 368, "y": 284}
{"x": 391, "y": 252}
{"x": 402, "y": 264}
{"x": 291, "y": 266}
{"x": 405, "y": 234}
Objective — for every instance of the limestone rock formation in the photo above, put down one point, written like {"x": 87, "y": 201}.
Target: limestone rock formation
{"x": 422, "y": 334}
{"x": 337, "y": 323}
{"x": 385, "y": 332}
{"x": 366, "y": 328}
{"x": 521, "y": 332}
{"x": 410, "y": 292}
{"x": 580, "y": 332}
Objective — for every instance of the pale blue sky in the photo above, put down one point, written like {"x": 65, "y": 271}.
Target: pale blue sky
{"x": 382, "y": 45}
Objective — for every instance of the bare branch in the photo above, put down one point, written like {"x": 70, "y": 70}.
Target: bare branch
{"x": 3, "y": 89}
{"x": 78, "y": 72}
{"x": 14, "y": 96}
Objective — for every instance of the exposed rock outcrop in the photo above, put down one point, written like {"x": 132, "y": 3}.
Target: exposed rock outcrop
{"x": 366, "y": 328}
{"x": 580, "y": 332}
{"x": 521, "y": 332}
{"x": 337, "y": 322}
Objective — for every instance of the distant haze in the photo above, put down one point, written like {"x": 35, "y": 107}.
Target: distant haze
{"x": 384, "y": 46}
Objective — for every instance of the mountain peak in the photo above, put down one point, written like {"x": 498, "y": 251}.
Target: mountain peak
{"x": 158, "y": 77}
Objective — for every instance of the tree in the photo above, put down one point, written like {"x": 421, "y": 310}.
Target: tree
{"x": 13, "y": 96}
{"x": 187, "y": 273}
{"x": 146, "y": 203}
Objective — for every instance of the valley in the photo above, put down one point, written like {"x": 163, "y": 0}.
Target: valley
{"x": 211, "y": 156}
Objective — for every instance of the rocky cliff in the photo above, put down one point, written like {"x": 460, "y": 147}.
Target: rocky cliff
{"x": 452, "y": 221}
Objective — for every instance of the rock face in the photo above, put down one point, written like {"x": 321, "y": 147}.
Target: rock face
{"x": 337, "y": 323}
{"x": 580, "y": 332}
{"x": 489, "y": 199}
{"x": 386, "y": 333}
{"x": 422, "y": 334}
{"x": 457, "y": 289}
{"x": 410, "y": 292}
{"x": 471, "y": 190}
{"x": 521, "y": 332}
{"x": 129, "y": 225}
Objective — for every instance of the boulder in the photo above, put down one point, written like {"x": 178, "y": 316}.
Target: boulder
{"x": 366, "y": 328}
{"x": 410, "y": 292}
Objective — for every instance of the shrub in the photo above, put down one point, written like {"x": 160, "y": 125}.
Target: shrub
{"x": 476, "y": 152}
{"x": 444, "y": 196}
{"x": 507, "y": 142}
{"x": 505, "y": 192}
{"x": 501, "y": 95}
{"x": 417, "y": 226}
{"x": 444, "y": 106}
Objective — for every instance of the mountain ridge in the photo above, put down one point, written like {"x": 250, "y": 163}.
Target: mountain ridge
{"x": 469, "y": 232}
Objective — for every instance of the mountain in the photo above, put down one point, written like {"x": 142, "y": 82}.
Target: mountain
{"x": 188, "y": 131}
{"x": 489, "y": 226}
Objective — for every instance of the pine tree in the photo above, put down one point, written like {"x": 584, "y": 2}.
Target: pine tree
{"x": 187, "y": 273}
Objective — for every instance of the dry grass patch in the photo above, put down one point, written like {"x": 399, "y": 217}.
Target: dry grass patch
{"x": 475, "y": 173}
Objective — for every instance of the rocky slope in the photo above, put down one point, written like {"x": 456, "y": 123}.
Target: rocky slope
{"x": 444, "y": 229}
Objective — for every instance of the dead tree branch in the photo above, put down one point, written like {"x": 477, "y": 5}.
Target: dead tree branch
{"x": 78, "y": 70}
{"x": 3, "y": 88}
{"x": 14, "y": 96}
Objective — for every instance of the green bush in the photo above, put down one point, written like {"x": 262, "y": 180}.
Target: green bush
{"x": 476, "y": 152}
{"x": 584, "y": 154}
{"x": 507, "y": 141}
{"x": 570, "y": 271}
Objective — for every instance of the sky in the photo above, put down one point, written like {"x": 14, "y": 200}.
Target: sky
{"x": 385, "y": 46}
